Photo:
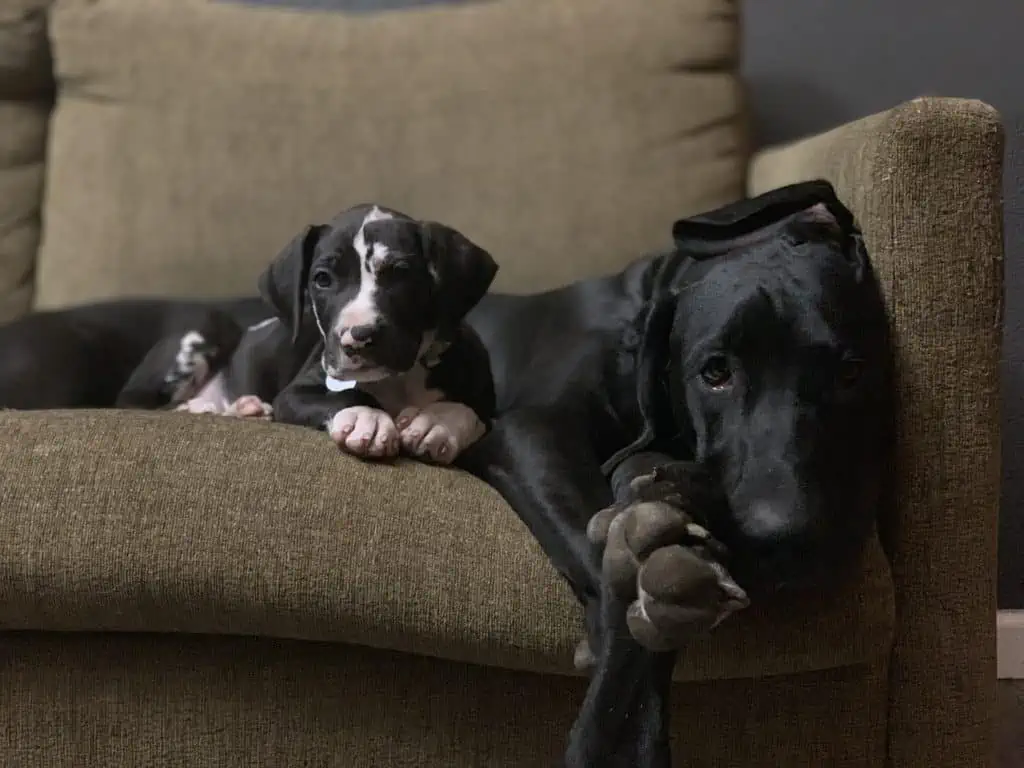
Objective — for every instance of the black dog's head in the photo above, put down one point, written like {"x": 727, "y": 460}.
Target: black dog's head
{"x": 382, "y": 289}
{"x": 776, "y": 370}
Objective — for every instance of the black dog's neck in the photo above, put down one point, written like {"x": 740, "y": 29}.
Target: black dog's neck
{"x": 636, "y": 373}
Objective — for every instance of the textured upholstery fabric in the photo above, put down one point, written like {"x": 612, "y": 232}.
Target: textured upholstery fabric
{"x": 563, "y": 136}
{"x": 187, "y": 591}
{"x": 208, "y": 525}
{"x": 26, "y": 91}
{"x": 924, "y": 179}
{"x": 184, "y": 701}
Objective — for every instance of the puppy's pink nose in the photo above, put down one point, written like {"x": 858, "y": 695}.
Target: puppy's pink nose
{"x": 356, "y": 337}
{"x": 361, "y": 334}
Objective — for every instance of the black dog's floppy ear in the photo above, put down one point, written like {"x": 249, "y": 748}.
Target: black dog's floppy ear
{"x": 283, "y": 284}
{"x": 462, "y": 269}
{"x": 649, "y": 338}
{"x": 727, "y": 227}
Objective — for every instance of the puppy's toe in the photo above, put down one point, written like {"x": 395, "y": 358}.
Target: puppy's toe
{"x": 361, "y": 437}
{"x": 342, "y": 424}
{"x": 250, "y": 407}
{"x": 415, "y": 430}
{"x": 406, "y": 416}
{"x": 385, "y": 441}
{"x": 439, "y": 445}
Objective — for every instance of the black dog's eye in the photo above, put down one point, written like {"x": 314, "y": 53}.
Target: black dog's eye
{"x": 323, "y": 279}
{"x": 717, "y": 373}
{"x": 850, "y": 371}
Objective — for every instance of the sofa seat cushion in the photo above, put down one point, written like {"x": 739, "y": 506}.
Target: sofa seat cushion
{"x": 163, "y": 522}
{"x": 193, "y": 139}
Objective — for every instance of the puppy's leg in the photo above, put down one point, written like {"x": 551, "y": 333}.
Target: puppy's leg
{"x": 543, "y": 464}
{"x": 439, "y": 431}
{"x": 352, "y": 418}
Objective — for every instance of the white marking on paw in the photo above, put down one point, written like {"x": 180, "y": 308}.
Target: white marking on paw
{"x": 249, "y": 407}
{"x": 439, "y": 431}
{"x": 365, "y": 432}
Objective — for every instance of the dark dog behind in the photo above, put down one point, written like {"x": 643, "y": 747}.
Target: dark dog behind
{"x": 83, "y": 357}
{"x": 757, "y": 350}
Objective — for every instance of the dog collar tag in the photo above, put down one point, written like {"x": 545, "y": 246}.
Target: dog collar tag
{"x": 337, "y": 385}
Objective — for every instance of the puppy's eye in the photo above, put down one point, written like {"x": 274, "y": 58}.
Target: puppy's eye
{"x": 850, "y": 371}
{"x": 323, "y": 279}
{"x": 717, "y": 373}
{"x": 396, "y": 267}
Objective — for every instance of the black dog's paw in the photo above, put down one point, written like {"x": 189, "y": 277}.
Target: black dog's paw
{"x": 192, "y": 366}
{"x": 660, "y": 560}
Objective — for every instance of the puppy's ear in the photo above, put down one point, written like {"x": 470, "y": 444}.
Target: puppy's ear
{"x": 283, "y": 284}
{"x": 464, "y": 271}
{"x": 735, "y": 224}
{"x": 647, "y": 351}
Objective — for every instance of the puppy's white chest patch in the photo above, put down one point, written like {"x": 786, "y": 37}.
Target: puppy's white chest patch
{"x": 337, "y": 385}
{"x": 400, "y": 392}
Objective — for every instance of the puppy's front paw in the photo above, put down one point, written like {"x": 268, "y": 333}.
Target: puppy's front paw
{"x": 365, "y": 432}
{"x": 250, "y": 407}
{"x": 440, "y": 431}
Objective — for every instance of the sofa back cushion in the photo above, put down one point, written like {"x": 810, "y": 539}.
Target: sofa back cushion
{"x": 26, "y": 94}
{"x": 192, "y": 139}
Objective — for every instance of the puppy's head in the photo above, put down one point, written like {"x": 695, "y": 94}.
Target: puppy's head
{"x": 383, "y": 290}
{"x": 777, "y": 372}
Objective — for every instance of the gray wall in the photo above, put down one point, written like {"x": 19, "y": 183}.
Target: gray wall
{"x": 812, "y": 65}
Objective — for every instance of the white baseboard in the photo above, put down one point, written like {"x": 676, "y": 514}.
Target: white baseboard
{"x": 1010, "y": 645}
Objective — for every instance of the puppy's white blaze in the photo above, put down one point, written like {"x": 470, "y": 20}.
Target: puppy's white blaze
{"x": 359, "y": 242}
{"x": 362, "y": 310}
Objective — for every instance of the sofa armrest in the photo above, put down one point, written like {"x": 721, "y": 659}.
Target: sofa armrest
{"x": 924, "y": 181}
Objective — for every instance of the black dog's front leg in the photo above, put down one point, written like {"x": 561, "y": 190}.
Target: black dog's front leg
{"x": 549, "y": 474}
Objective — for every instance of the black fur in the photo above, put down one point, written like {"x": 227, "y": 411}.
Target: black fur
{"x": 758, "y": 348}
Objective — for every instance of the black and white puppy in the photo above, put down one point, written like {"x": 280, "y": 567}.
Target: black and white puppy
{"x": 392, "y": 367}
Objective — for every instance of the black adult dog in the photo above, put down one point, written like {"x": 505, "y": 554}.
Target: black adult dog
{"x": 758, "y": 351}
